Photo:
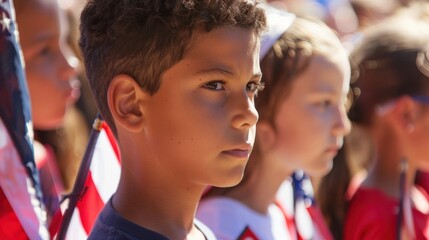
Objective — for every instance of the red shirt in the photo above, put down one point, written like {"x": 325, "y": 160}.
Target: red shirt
{"x": 10, "y": 227}
{"x": 373, "y": 215}
{"x": 422, "y": 179}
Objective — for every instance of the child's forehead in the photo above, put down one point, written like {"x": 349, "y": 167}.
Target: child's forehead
{"x": 226, "y": 42}
{"x": 45, "y": 28}
{"x": 223, "y": 38}
{"x": 223, "y": 35}
{"x": 226, "y": 51}
{"x": 328, "y": 68}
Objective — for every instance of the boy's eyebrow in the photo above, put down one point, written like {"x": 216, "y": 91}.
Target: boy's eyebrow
{"x": 222, "y": 71}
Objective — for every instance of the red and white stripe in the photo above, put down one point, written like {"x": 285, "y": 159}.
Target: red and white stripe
{"x": 19, "y": 190}
{"x": 102, "y": 181}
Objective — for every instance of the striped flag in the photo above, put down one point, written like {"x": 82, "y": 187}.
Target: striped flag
{"x": 304, "y": 219}
{"x": 22, "y": 213}
{"x": 101, "y": 183}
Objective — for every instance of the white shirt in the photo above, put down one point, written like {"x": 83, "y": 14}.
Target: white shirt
{"x": 228, "y": 218}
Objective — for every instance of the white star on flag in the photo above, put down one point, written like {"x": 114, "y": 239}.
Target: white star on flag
{"x": 4, "y": 22}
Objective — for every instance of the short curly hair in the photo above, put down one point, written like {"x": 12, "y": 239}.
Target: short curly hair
{"x": 144, "y": 38}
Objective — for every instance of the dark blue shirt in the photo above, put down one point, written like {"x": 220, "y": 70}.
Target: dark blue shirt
{"x": 110, "y": 225}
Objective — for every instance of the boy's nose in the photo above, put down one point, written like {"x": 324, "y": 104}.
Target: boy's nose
{"x": 245, "y": 114}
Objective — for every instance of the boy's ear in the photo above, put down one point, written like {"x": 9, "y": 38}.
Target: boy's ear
{"x": 125, "y": 98}
{"x": 405, "y": 113}
{"x": 266, "y": 135}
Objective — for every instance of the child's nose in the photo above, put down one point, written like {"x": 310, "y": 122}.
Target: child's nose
{"x": 67, "y": 75}
{"x": 67, "y": 67}
{"x": 245, "y": 114}
{"x": 342, "y": 125}
{"x": 66, "y": 63}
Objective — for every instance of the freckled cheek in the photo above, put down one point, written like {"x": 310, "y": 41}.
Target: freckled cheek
{"x": 195, "y": 116}
{"x": 210, "y": 107}
{"x": 210, "y": 126}
{"x": 195, "y": 132}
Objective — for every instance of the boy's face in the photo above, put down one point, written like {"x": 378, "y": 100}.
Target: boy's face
{"x": 201, "y": 122}
{"x": 43, "y": 32}
{"x": 312, "y": 121}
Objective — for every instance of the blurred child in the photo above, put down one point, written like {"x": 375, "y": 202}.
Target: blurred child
{"x": 52, "y": 83}
{"x": 49, "y": 62}
{"x": 176, "y": 82}
{"x": 302, "y": 124}
{"x": 392, "y": 75}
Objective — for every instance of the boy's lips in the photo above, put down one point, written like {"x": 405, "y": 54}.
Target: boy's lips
{"x": 242, "y": 151}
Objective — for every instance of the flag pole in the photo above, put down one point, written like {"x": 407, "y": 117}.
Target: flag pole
{"x": 79, "y": 185}
{"x": 401, "y": 198}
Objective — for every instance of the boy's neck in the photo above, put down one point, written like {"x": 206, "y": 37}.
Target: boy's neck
{"x": 149, "y": 201}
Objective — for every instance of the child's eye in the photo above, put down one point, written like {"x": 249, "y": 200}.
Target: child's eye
{"x": 215, "y": 85}
{"x": 324, "y": 103}
{"x": 255, "y": 87}
{"x": 45, "y": 51}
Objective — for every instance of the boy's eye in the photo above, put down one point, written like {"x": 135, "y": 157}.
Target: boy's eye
{"x": 255, "y": 87}
{"x": 215, "y": 85}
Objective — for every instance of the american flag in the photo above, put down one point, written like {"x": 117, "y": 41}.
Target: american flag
{"x": 101, "y": 183}
{"x": 22, "y": 214}
{"x": 304, "y": 219}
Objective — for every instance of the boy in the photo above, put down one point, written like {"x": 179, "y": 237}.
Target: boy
{"x": 176, "y": 82}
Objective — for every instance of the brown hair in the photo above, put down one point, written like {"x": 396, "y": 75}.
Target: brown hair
{"x": 330, "y": 195}
{"x": 391, "y": 61}
{"x": 144, "y": 38}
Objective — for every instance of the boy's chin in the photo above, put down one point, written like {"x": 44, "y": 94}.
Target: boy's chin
{"x": 230, "y": 184}
{"x": 230, "y": 181}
